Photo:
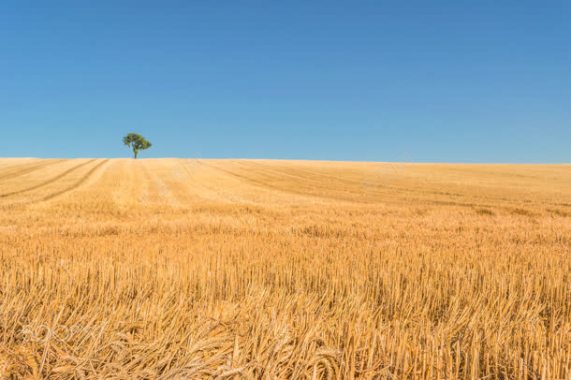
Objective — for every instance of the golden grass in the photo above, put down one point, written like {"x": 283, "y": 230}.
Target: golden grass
{"x": 280, "y": 269}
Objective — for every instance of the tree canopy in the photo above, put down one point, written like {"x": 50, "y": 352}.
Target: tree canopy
{"x": 136, "y": 142}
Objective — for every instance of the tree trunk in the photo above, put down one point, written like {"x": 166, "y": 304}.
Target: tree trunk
{"x": 135, "y": 153}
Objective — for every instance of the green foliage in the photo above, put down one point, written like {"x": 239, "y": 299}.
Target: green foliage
{"x": 136, "y": 142}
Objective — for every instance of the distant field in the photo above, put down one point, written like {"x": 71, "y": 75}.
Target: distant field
{"x": 174, "y": 268}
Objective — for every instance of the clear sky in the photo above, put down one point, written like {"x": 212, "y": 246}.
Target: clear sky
{"x": 461, "y": 81}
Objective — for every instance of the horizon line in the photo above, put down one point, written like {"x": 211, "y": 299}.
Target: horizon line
{"x": 295, "y": 159}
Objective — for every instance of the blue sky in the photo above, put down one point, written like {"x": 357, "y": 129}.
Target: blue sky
{"x": 459, "y": 81}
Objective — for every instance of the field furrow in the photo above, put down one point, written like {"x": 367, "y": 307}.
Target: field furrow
{"x": 23, "y": 169}
{"x": 77, "y": 184}
{"x": 46, "y": 183}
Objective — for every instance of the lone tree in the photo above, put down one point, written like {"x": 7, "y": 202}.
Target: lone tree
{"x": 136, "y": 142}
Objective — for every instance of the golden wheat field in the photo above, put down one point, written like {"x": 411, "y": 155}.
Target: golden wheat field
{"x": 258, "y": 269}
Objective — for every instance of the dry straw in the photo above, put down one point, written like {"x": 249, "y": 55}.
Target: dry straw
{"x": 167, "y": 269}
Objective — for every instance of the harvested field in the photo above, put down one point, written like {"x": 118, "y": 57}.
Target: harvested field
{"x": 178, "y": 268}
